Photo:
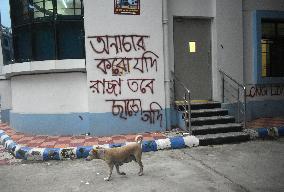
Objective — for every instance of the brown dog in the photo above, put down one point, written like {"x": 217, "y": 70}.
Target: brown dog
{"x": 117, "y": 156}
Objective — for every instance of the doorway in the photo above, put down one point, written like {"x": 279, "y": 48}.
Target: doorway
{"x": 192, "y": 52}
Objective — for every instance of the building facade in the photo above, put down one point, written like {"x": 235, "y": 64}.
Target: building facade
{"x": 109, "y": 67}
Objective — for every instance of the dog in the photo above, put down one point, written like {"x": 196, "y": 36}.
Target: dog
{"x": 120, "y": 155}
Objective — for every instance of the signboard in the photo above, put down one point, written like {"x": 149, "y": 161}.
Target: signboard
{"x": 127, "y": 7}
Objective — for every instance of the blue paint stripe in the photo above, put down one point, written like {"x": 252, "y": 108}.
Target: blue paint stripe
{"x": 83, "y": 152}
{"x": 22, "y": 152}
{"x": 51, "y": 154}
{"x": 5, "y": 115}
{"x": 281, "y": 131}
{"x": 262, "y": 132}
{"x": 1, "y": 134}
{"x": 12, "y": 146}
{"x": 177, "y": 143}
{"x": 94, "y": 123}
{"x": 149, "y": 146}
{"x": 114, "y": 145}
{"x": 6, "y": 139}
{"x": 45, "y": 124}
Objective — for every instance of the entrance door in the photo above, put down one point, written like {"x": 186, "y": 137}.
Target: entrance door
{"x": 192, "y": 49}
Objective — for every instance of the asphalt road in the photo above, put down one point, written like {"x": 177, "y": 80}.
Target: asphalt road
{"x": 252, "y": 166}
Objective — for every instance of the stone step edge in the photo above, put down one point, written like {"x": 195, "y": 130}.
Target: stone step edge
{"x": 216, "y": 126}
{"x": 181, "y": 102}
{"x": 198, "y": 111}
{"x": 221, "y": 135}
{"x": 213, "y": 129}
{"x": 211, "y": 118}
{"x": 43, "y": 154}
{"x": 223, "y": 138}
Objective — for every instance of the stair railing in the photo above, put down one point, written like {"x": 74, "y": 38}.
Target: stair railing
{"x": 236, "y": 91}
{"x": 185, "y": 102}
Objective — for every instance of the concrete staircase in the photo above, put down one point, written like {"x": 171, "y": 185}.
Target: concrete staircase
{"x": 212, "y": 124}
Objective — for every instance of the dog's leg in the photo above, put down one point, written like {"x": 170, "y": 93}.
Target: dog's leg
{"x": 110, "y": 172}
{"x": 138, "y": 157}
{"x": 117, "y": 169}
{"x": 141, "y": 167}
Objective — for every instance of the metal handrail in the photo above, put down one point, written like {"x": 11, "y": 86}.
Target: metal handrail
{"x": 243, "y": 87}
{"x": 181, "y": 83}
{"x": 187, "y": 100}
{"x": 231, "y": 78}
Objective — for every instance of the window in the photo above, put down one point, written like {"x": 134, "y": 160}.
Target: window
{"x": 6, "y": 33}
{"x": 47, "y": 29}
{"x": 43, "y": 8}
{"x": 70, "y": 42}
{"x": 69, "y": 7}
{"x": 272, "y": 48}
{"x": 6, "y": 44}
{"x": 22, "y": 44}
{"x": 43, "y": 41}
{"x": 20, "y": 11}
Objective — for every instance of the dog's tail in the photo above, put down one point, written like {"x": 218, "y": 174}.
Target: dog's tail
{"x": 139, "y": 139}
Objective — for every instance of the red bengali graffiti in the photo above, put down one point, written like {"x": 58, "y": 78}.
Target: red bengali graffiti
{"x": 122, "y": 65}
{"x": 144, "y": 61}
{"x": 104, "y": 86}
{"x": 118, "y": 66}
{"x": 148, "y": 60}
{"x": 119, "y": 43}
{"x": 265, "y": 90}
{"x": 153, "y": 114}
{"x": 125, "y": 108}
{"x": 141, "y": 84}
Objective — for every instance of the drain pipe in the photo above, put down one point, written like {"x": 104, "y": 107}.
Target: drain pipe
{"x": 167, "y": 78}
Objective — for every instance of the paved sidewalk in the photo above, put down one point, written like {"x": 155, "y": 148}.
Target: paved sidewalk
{"x": 268, "y": 122}
{"x": 252, "y": 166}
{"x": 43, "y": 141}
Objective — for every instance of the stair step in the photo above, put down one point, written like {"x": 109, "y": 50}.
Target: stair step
{"x": 207, "y": 105}
{"x": 217, "y": 128}
{"x": 212, "y": 120}
{"x": 197, "y": 105}
{"x": 222, "y": 138}
{"x": 208, "y": 112}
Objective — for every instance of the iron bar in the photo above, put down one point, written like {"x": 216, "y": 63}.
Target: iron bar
{"x": 238, "y": 105}
{"x": 243, "y": 87}
{"x": 189, "y": 112}
{"x": 186, "y": 104}
{"x": 245, "y": 108}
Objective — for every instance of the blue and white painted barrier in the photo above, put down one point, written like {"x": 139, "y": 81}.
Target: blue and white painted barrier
{"x": 270, "y": 132}
{"x": 42, "y": 154}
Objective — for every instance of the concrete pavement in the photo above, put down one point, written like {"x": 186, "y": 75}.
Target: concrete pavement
{"x": 79, "y": 145}
{"x": 252, "y": 166}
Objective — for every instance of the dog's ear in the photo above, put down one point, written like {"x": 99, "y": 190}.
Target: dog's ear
{"x": 97, "y": 147}
{"x": 95, "y": 151}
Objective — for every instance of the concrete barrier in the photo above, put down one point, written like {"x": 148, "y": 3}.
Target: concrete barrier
{"x": 43, "y": 154}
